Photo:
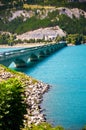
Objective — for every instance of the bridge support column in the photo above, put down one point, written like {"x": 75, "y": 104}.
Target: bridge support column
{"x": 20, "y": 63}
{"x": 33, "y": 57}
{"x": 20, "y": 57}
{"x": 41, "y": 55}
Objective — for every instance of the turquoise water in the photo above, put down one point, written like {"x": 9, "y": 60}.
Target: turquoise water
{"x": 65, "y": 103}
{"x": 8, "y": 49}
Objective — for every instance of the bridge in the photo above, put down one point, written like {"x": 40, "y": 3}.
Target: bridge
{"x": 22, "y": 56}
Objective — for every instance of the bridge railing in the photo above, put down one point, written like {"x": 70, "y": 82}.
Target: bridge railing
{"x": 5, "y": 54}
{"x": 12, "y": 53}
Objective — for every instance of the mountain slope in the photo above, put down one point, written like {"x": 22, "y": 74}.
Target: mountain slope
{"x": 20, "y": 21}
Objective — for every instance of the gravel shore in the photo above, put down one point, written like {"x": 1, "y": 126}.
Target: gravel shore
{"x": 33, "y": 93}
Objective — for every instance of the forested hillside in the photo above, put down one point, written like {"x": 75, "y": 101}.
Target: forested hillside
{"x": 21, "y": 24}
{"x": 20, "y": 16}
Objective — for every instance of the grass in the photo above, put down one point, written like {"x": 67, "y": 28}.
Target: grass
{"x": 44, "y": 126}
{"x": 21, "y": 76}
{"x": 29, "y": 6}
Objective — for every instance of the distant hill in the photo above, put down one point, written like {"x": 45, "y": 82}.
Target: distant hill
{"x": 20, "y": 18}
{"x": 71, "y": 21}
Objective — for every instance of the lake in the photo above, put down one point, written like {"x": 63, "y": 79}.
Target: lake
{"x": 65, "y": 70}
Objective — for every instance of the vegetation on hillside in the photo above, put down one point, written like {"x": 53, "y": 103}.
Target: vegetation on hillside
{"x": 72, "y": 26}
{"x": 7, "y": 38}
{"x": 58, "y": 3}
{"x": 76, "y": 39}
{"x": 44, "y": 126}
{"x": 19, "y": 26}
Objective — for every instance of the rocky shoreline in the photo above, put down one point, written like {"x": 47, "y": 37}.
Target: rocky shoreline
{"x": 33, "y": 93}
{"x": 34, "y": 96}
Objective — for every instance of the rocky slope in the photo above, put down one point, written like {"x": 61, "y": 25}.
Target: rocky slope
{"x": 43, "y": 23}
{"x": 33, "y": 93}
{"x": 49, "y": 33}
{"x": 42, "y": 13}
{"x": 75, "y": 12}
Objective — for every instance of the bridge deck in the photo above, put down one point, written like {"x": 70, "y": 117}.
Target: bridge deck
{"x": 20, "y": 56}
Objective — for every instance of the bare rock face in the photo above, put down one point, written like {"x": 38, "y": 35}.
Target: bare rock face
{"x": 51, "y": 32}
{"x": 47, "y": 33}
{"x": 72, "y": 12}
{"x": 41, "y": 14}
{"x": 21, "y": 13}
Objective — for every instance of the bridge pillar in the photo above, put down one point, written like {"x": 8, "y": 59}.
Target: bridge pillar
{"x": 6, "y": 62}
{"x": 48, "y": 52}
{"x": 33, "y": 57}
{"x": 41, "y": 55}
{"x": 20, "y": 63}
{"x": 20, "y": 57}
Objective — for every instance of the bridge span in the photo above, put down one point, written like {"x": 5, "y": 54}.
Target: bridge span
{"x": 22, "y": 56}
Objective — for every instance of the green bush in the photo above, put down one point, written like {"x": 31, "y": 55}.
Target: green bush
{"x": 84, "y": 128}
{"x": 12, "y": 107}
{"x": 6, "y": 38}
{"x": 76, "y": 39}
{"x": 44, "y": 126}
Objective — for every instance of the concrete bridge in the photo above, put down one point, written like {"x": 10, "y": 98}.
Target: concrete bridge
{"x": 22, "y": 56}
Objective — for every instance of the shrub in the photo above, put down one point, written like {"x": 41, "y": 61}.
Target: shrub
{"x": 84, "y": 128}
{"x": 12, "y": 107}
{"x": 44, "y": 126}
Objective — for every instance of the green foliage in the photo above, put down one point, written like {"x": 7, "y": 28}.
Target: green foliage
{"x": 59, "y": 3}
{"x": 76, "y": 39}
{"x": 71, "y": 26}
{"x": 32, "y": 24}
{"x": 53, "y": 14}
{"x": 11, "y": 3}
{"x": 44, "y": 126}
{"x": 84, "y": 128}
{"x": 19, "y": 27}
{"x": 6, "y": 38}
{"x": 76, "y": 5}
{"x": 12, "y": 107}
